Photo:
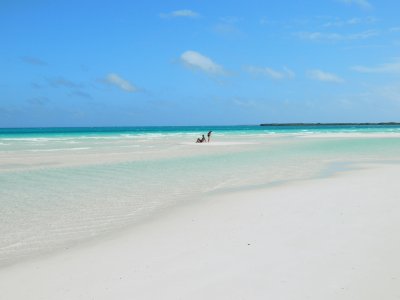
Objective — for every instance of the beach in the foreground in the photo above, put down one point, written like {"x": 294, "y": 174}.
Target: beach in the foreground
{"x": 330, "y": 238}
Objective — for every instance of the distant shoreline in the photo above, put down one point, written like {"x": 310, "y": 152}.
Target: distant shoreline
{"x": 108, "y": 128}
{"x": 331, "y": 124}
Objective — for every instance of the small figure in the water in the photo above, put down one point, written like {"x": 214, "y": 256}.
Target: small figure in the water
{"x": 202, "y": 140}
{"x": 209, "y": 135}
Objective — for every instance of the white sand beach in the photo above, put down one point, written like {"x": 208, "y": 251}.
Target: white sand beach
{"x": 330, "y": 238}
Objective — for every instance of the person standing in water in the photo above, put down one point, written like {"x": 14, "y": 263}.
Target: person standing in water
{"x": 209, "y": 135}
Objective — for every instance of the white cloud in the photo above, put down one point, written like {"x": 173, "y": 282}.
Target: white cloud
{"x": 324, "y": 76}
{"x": 121, "y": 83}
{"x": 185, "y": 13}
{"x": 198, "y": 61}
{"x": 271, "y": 73}
{"x": 364, "y": 4}
{"x": 314, "y": 36}
{"x": 393, "y": 67}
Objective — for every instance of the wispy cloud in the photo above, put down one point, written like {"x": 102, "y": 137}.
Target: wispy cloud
{"x": 36, "y": 85}
{"x": 382, "y": 95}
{"x": 231, "y": 19}
{"x": 315, "y": 36}
{"x": 264, "y": 21}
{"x": 75, "y": 89}
{"x": 349, "y": 22}
{"x": 286, "y": 73}
{"x": 63, "y": 82}
{"x": 38, "y": 101}
{"x": 33, "y": 61}
{"x": 393, "y": 67}
{"x": 120, "y": 82}
{"x": 9, "y": 111}
{"x": 364, "y": 4}
{"x": 198, "y": 61}
{"x": 389, "y": 92}
{"x": 324, "y": 76}
{"x": 339, "y": 23}
{"x": 245, "y": 103}
{"x": 227, "y": 27}
{"x": 80, "y": 94}
{"x": 183, "y": 13}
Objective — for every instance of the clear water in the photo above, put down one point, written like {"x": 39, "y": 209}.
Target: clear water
{"x": 239, "y": 129}
{"x": 60, "y": 186}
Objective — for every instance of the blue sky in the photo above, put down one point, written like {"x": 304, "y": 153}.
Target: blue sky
{"x": 108, "y": 63}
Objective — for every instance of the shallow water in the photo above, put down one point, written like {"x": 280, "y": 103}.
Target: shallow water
{"x": 58, "y": 188}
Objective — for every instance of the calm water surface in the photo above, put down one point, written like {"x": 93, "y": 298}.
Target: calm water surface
{"x": 60, "y": 186}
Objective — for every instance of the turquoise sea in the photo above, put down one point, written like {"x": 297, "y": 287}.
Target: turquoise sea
{"x": 238, "y": 129}
{"x": 62, "y": 186}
